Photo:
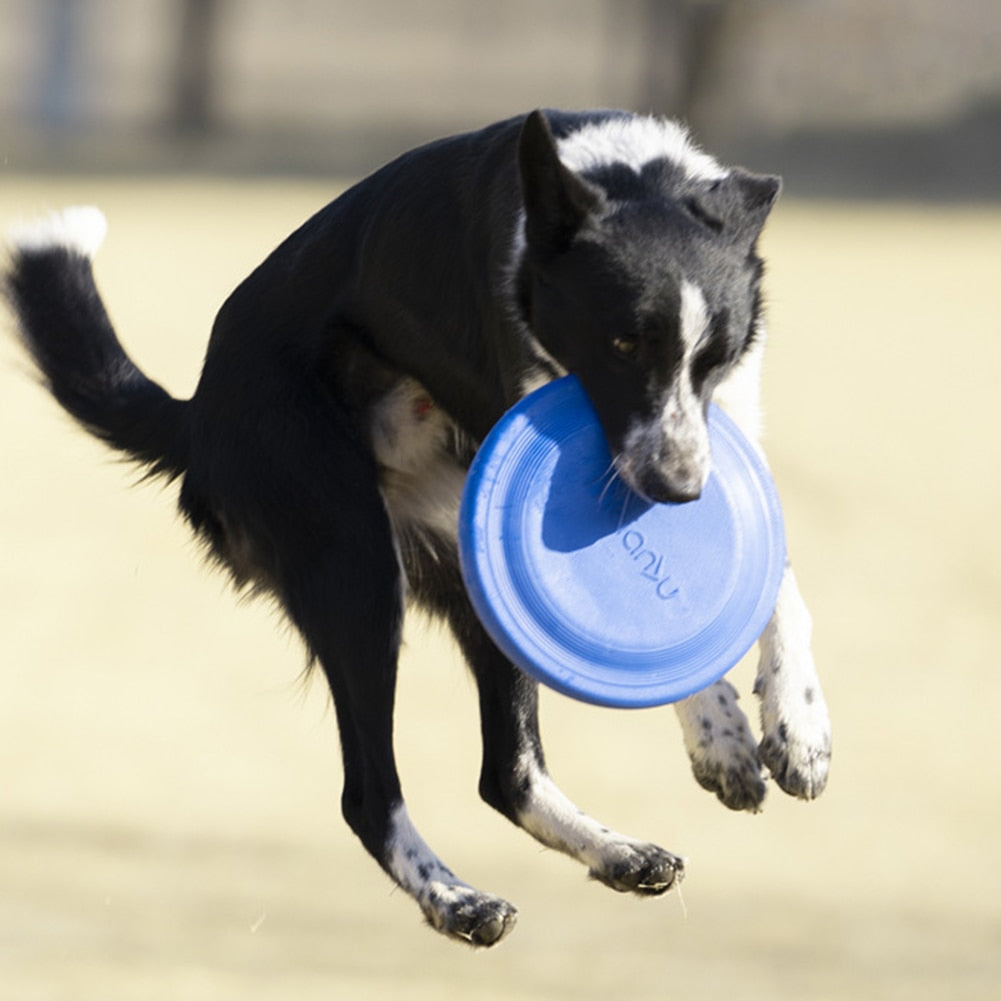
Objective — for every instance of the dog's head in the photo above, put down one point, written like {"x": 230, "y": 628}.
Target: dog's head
{"x": 640, "y": 275}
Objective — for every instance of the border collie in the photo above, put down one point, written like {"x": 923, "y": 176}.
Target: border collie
{"x": 348, "y": 381}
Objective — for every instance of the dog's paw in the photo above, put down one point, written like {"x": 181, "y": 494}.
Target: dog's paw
{"x": 464, "y": 913}
{"x": 796, "y": 730}
{"x": 799, "y": 763}
{"x": 635, "y": 867}
{"x": 737, "y": 781}
{"x": 722, "y": 750}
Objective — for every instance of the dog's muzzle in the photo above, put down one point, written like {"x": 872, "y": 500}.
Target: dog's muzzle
{"x": 666, "y": 468}
{"x": 676, "y": 490}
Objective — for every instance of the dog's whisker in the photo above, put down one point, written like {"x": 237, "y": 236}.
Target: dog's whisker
{"x": 623, "y": 510}
{"x": 610, "y": 476}
{"x": 681, "y": 900}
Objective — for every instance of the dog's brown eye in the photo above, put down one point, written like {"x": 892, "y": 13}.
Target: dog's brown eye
{"x": 625, "y": 347}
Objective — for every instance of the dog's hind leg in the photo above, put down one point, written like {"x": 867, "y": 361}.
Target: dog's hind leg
{"x": 513, "y": 778}
{"x": 515, "y": 781}
{"x": 323, "y": 536}
{"x": 352, "y": 622}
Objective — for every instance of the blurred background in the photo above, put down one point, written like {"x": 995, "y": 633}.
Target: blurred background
{"x": 889, "y": 98}
{"x": 169, "y": 785}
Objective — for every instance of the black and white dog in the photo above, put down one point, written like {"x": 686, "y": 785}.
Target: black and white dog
{"x": 348, "y": 381}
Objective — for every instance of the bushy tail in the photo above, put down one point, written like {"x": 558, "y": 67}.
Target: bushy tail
{"x": 49, "y": 284}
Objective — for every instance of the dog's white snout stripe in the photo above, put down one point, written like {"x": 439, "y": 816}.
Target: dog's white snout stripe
{"x": 681, "y": 421}
{"x": 693, "y": 319}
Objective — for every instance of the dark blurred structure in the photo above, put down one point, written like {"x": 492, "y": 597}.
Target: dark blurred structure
{"x": 195, "y": 65}
{"x": 845, "y": 97}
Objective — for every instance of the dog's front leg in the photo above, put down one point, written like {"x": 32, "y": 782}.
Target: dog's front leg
{"x": 722, "y": 749}
{"x": 796, "y": 732}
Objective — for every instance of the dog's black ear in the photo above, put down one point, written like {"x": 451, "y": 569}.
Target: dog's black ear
{"x": 556, "y": 200}
{"x": 738, "y": 204}
{"x": 758, "y": 193}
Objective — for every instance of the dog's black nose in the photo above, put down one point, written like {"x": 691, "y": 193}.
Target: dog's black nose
{"x": 672, "y": 496}
{"x": 661, "y": 491}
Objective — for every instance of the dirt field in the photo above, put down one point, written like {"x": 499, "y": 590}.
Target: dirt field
{"x": 169, "y": 824}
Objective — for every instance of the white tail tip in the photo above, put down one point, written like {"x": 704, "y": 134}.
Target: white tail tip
{"x": 80, "y": 228}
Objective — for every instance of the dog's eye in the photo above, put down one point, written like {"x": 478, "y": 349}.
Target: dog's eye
{"x": 626, "y": 347}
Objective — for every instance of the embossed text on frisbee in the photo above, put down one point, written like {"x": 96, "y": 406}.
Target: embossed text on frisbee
{"x": 649, "y": 563}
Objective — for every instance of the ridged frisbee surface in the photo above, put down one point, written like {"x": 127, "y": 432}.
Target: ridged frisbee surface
{"x": 598, "y": 593}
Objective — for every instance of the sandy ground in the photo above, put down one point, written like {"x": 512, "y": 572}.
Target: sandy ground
{"x": 169, "y": 826}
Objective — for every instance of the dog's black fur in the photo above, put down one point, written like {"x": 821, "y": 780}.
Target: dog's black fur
{"x": 348, "y": 381}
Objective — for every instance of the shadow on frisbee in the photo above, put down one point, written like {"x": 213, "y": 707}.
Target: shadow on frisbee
{"x": 581, "y": 510}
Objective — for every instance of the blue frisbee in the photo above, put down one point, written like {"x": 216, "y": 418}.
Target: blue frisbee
{"x": 597, "y": 592}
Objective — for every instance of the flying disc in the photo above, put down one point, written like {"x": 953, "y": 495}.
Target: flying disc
{"x": 593, "y": 590}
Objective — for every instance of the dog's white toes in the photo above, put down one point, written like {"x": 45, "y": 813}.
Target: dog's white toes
{"x": 639, "y": 868}
{"x": 800, "y": 766}
{"x": 464, "y": 913}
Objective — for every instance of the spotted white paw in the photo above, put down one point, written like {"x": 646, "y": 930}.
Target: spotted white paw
{"x": 796, "y": 729}
{"x": 722, "y": 749}
{"x": 796, "y": 742}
